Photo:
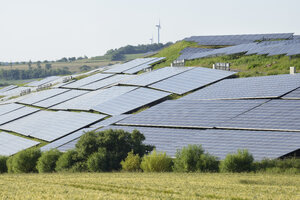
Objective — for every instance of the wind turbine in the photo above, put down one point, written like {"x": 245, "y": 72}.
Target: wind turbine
{"x": 151, "y": 39}
{"x": 158, "y": 28}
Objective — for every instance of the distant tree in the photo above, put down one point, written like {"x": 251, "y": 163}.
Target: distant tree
{"x": 117, "y": 56}
{"x": 80, "y": 58}
{"x": 85, "y": 57}
{"x": 38, "y": 64}
{"x": 48, "y": 66}
{"x": 29, "y": 65}
{"x": 64, "y": 59}
{"x": 45, "y": 61}
{"x": 71, "y": 59}
{"x": 85, "y": 68}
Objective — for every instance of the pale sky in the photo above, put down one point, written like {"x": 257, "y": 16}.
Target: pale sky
{"x": 52, "y": 29}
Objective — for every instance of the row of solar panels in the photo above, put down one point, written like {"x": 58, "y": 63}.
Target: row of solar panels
{"x": 284, "y": 47}
{"x": 262, "y": 144}
{"x": 237, "y": 39}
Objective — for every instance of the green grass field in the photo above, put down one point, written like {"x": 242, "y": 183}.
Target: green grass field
{"x": 149, "y": 186}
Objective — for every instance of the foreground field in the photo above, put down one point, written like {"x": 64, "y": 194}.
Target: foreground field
{"x": 149, "y": 186}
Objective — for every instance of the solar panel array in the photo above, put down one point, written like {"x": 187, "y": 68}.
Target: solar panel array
{"x": 11, "y": 144}
{"x": 155, "y": 76}
{"x": 191, "y": 80}
{"x": 50, "y": 126}
{"x": 188, "y": 52}
{"x": 120, "y": 68}
{"x": 14, "y": 92}
{"x": 113, "y": 80}
{"x": 7, "y": 88}
{"x": 253, "y": 87}
{"x": 283, "y": 115}
{"x": 87, "y": 80}
{"x": 237, "y": 39}
{"x": 144, "y": 66}
{"x": 130, "y": 101}
{"x": 16, "y": 114}
{"x": 283, "y": 47}
{"x": 88, "y": 101}
{"x": 43, "y": 81}
{"x": 110, "y": 121}
{"x": 295, "y": 94}
{"x": 66, "y": 139}
{"x": 42, "y": 95}
{"x": 9, "y": 108}
{"x": 60, "y": 98}
{"x": 190, "y": 113}
{"x": 262, "y": 144}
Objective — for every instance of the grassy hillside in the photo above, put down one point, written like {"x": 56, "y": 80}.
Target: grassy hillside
{"x": 149, "y": 186}
{"x": 251, "y": 65}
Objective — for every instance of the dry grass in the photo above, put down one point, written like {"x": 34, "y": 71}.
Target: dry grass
{"x": 149, "y": 186}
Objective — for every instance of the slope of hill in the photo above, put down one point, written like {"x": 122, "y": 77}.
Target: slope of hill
{"x": 246, "y": 65}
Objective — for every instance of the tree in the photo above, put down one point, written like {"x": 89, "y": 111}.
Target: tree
{"x": 115, "y": 143}
{"x": 131, "y": 163}
{"x": 117, "y": 56}
{"x": 29, "y": 65}
{"x": 85, "y": 68}
{"x": 25, "y": 161}
{"x": 48, "y": 66}
{"x": 156, "y": 162}
{"x": 47, "y": 162}
{"x": 38, "y": 64}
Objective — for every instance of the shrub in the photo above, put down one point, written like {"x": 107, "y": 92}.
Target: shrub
{"x": 66, "y": 160}
{"x": 242, "y": 161}
{"x": 131, "y": 163}
{"x": 25, "y": 161}
{"x": 156, "y": 162}
{"x": 278, "y": 165}
{"x": 79, "y": 167}
{"x": 98, "y": 161}
{"x": 192, "y": 158}
{"x": 3, "y": 167}
{"x": 47, "y": 161}
{"x": 9, "y": 164}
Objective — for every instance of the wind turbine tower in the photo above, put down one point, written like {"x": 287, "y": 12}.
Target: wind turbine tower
{"x": 158, "y": 28}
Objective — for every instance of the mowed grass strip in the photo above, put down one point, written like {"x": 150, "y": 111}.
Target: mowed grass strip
{"x": 149, "y": 186}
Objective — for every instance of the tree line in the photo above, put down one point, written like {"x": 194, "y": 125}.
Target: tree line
{"x": 20, "y": 74}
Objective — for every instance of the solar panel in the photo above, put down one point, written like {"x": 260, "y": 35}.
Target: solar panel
{"x": 261, "y": 144}
{"x": 113, "y": 80}
{"x": 9, "y": 108}
{"x": 65, "y": 139}
{"x": 42, "y": 95}
{"x": 143, "y": 66}
{"x": 14, "y": 92}
{"x": 7, "y": 88}
{"x": 155, "y": 76}
{"x": 282, "y": 115}
{"x": 11, "y": 144}
{"x": 87, "y": 101}
{"x": 295, "y": 94}
{"x": 87, "y": 80}
{"x": 60, "y": 98}
{"x": 119, "y": 68}
{"x": 130, "y": 101}
{"x": 43, "y": 81}
{"x": 110, "y": 121}
{"x": 16, "y": 114}
{"x": 50, "y": 126}
{"x": 191, "y": 80}
{"x": 190, "y": 113}
{"x": 253, "y": 87}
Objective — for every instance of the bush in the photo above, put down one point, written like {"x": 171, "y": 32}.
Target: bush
{"x": 9, "y": 164}
{"x": 278, "y": 165}
{"x": 156, "y": 162}
{"x": 66, "y": 161}
{"x": 192, "y": 158}
{"x": 25, "y": 161}
{"x": 131, "y": 163}
{"x": 47, "y": 161}
{"x": 98, "y": 161}
{"x": 79, "y": 167}
{"x": 3, "y": 167}
{"x": 242, "y": 161}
